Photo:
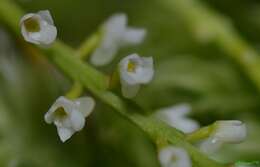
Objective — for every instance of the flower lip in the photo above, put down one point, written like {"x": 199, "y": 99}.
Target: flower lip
{"x": 173, "y": 156}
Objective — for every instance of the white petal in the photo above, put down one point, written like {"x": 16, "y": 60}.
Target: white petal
{"x": 48, "y": 34}
{"x": 175, "y": 116}
{"x": 231, "y": 131}
{"x": 46, "y": 15}
{"x": 174, "y": 157}
{"x": 113, "y": 30}
{"x": 77, "y": 120}
{"x": 210, "y": 145}
{"x": 115, "y": 26}
{"x": 133, "y": 36}
{"x": 65, "y": 133}
{"x": 85, "y": 105}
{"x": 129, "y": 91}
{"x": 104, "y": 54}
{"x": 60, "y": 102}
{"x": 146, "y": 71}
{"x": 185, "y": 125}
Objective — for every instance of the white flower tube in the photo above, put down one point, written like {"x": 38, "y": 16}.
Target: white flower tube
{"x": 69, "y": 116}
{"x": 174, "y": 157}
{"x": 38, "y": 28}
{"x": 134, "y": 71}
{"x": 231, "y": 132}
{"x": 116, "y": 34}
{"x": 176, "y": 116}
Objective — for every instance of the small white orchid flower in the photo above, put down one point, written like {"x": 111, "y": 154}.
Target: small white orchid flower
{"x": 38, "y": 28}
{"x": 69, "y": 116}
{"x": 116, "y": 34}
{"x": 176, "y": 116}
{"x": 174, "y": 157}
{"x": 134, "y": 71}
{"x": 230, "y": 132}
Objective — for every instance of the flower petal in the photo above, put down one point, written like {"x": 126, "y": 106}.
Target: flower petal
{"x": 77, "y": 120}
{"x": 65, "y": 133}
{"x": 104, "y": 54}
{"x": 85, "y": 105}
{"x": 133, "y": 36}
{"x": 174, "y": 157}
{"x": 60, "y": 102}
{"x": 231, "y": 131}
{"x": 46, "y": 15}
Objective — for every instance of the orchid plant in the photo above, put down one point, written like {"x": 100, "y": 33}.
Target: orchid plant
{"x": 179, "y": 139}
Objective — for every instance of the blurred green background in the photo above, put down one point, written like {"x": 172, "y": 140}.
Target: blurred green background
{"x": 186, "y": 71}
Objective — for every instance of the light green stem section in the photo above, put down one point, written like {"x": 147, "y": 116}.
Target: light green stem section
{"x": 83, "y": 52}
{"x": 64, "y": 57}
{"x": 200, "y": 134}
{"x": 208, "y": 26}
{"x": 89, "y": 45}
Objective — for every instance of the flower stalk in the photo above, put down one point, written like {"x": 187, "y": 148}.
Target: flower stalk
{"x": 63, "y": 57}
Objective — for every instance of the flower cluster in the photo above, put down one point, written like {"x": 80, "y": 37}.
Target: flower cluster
{"x": 69, "y": 115}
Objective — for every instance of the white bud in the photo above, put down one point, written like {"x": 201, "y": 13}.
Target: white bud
{"x": 176, "y": 116}
{"x": 134, "y": 71}
{"x": 69, "y": 116}
{"x": 38, "y": 28}
{"x": 116, "y": 34}
{"x": 174, "y": 157}
{"x": 230, "y": 132}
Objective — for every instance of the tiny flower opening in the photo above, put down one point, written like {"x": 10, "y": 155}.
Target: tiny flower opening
{"x": 135, "y": 71}
{"x": 131, "y": 67}
{"x": 32, "y": 24}
{"x": 60, "y": 113}
{"x": 38, "y": 28}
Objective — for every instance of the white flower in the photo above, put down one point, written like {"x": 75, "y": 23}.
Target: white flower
{"x": 176, "y": 116}
{"x": 38, "y": 28}
{"x": 230, "y": 132}
{"x": 116, "y": 34}
{"x": 134, "y": 71}
{"x": 69, "y": 116}
{"x": 174, "y": 157}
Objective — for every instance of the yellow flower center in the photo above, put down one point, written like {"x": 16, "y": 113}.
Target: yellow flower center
{"x": 32, "y": 25}
{"x": 131, "y": 67}
{"x": 60, "y": 113}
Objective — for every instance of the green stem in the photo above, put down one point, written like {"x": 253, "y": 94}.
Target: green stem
{"x": 89, "y": 45}
{"x": 208, "y": 26}
{"x": 63, "y": 56}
